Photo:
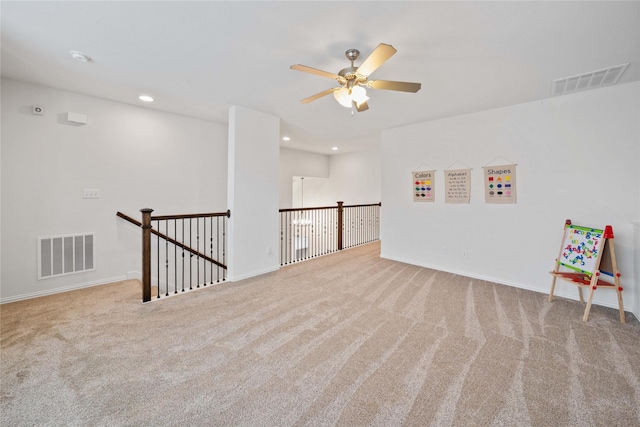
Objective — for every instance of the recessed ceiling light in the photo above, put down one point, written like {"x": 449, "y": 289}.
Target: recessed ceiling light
{"x": 145, "y": 98}
{"x": 334, "y": 148}
{"x": 286, "y": 138}
{"x": 79, "y": 56}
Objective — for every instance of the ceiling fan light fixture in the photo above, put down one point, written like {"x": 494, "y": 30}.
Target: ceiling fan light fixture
{"x": 346, "y": 96}
{"x": 343, "y": 96}
{"x": 359, "y": 94}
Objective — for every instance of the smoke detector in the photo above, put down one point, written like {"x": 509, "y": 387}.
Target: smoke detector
{"x": 79, "y": 56}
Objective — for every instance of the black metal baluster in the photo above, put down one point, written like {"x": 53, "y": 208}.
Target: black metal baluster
{"x": 280, "y": 248}
{"x": 289, "y": 242}
{"x": 218, "y": 248}
{"x": 183, "y": 242}
{"x": 190, "y": 254}
{"x": 289, "y": 248}
{"x": 359, "y": 227}
{"x": 158, "y": 250}
{"x": 347, "y": 227}
{"x": 175, "y": 256}
{"x": 166, "y": 258}
{"x": 224, "y": 246}
{"x": 323, "y": 249}
{"x": 204, "y": 250}
{"x": 198, "y": 251}
{"x": 211, "y": 247}
{"x": 368, "y": 233}
{"x": 306, "y": 234}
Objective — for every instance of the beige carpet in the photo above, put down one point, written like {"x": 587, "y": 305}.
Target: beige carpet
{"x": 348, "y": 339}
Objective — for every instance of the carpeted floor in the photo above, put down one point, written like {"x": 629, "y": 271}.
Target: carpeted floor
{"x": 347, "y": 339}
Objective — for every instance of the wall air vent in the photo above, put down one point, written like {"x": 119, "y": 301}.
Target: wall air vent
{"x": 61, "y": 255}
{"x": 594, "y": 79}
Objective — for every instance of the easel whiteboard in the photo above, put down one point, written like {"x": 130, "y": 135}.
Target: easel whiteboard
{"x": 581, "y": 248}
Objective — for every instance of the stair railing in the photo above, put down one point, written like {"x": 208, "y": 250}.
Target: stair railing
{"x": 196, "y": 257}
{"x": 310, "y": 232}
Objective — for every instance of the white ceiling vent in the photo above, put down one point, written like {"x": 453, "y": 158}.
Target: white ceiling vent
{"x": 594, "y": 79}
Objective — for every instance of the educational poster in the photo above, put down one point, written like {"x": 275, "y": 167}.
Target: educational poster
{"x": 456, "y": 185}
{"x": 580, "y": 248}
{"x": 500, "y": 184}
{"x": 423, "y": 186}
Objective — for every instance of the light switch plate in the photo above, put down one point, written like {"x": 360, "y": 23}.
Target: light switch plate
{"x": 91, "y": 193}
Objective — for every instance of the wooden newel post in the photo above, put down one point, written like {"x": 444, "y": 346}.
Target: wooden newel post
{"x": 340, "y": 225}
{"x": 146, "y": 254}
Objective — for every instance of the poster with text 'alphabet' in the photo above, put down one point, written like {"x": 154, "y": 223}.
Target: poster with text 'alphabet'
{"x": 423, "y": 186}
{"x": 457, "y": 183}
{"x": 500, "y": 184}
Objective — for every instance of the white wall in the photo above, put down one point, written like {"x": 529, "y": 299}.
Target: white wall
{"x": 311, "y": 192}
{"x": 137, "y": 157}
{"x": 355, "y": 178}
{"x": 577, "y": 158}
{"x": 296, "y": 163}
{"x": 253, "y": 236}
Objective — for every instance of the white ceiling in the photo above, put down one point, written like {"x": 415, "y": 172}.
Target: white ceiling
{"x": 200, "y": 58}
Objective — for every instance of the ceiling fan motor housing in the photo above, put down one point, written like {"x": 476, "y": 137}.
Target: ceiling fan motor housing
{"x": 352, "y": 55}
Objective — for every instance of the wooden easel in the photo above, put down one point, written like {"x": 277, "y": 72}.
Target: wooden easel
{"x": 588, "y": 253}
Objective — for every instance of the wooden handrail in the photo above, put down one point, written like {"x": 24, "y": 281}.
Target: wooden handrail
{"x": 175, "y": 242}
{"x": 188, "y": 216}
{"x": 306, "y": 209}
{"x": 327, "y": 207}
{"x": 362, "y": 206}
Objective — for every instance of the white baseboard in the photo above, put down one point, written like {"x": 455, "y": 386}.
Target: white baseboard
{"x": 134, "y": 275}
{"x": 512, "y": 284}
{"x": 252, "y": 274}
{"x": 63, "y": 289}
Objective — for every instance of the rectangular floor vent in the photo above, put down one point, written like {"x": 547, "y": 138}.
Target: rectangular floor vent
{"x": 61, "y": 255}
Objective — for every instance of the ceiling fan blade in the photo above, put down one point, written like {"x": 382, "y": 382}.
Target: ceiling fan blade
{"x": 378, "y": 57}
{"x": 390, "y": 85}
{"x": 315, "y": 71}
{"x": 362, "y": 107}
{"x": 319, "y": 95}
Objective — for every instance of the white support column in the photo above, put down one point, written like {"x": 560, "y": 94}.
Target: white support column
{"x": 252, "y": 193}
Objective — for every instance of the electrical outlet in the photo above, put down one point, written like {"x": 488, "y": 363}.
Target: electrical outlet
{"x": 91, "y": 193}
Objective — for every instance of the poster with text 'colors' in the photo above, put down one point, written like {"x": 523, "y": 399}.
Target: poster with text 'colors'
{"x": 500, "y": 184}
{"x": 423, "y": 186}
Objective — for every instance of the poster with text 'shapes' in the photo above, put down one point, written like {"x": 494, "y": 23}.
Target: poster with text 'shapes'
{"x": 423, "y": 186}
{"x": 500, "y": 184}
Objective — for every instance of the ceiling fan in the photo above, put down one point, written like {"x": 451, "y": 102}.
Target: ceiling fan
{"x": 353, "y": 80}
